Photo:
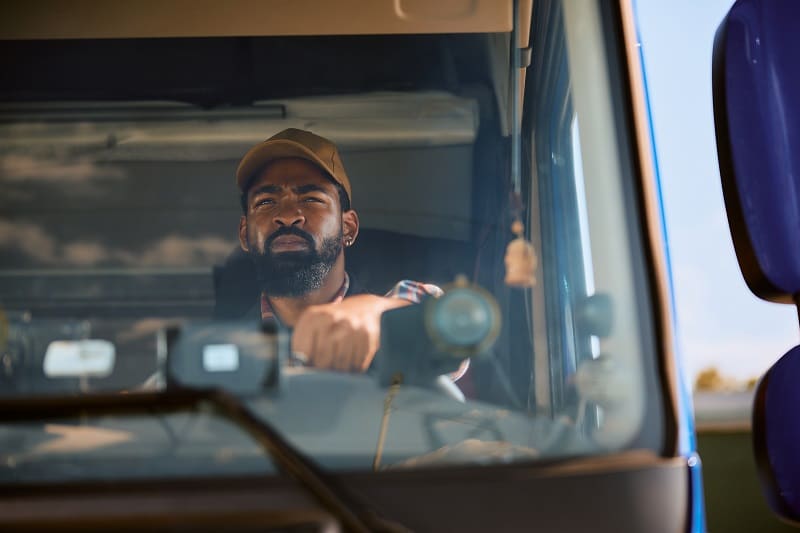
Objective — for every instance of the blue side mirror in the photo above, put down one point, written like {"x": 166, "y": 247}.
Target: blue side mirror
{"x": 756, "y": 83}
{"x": 776, "y": 435}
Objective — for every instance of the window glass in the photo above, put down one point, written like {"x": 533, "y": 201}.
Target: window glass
{"x": 120, "y": 221}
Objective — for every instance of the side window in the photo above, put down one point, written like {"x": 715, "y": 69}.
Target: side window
{"x": 566, "y": 255}
{"x": 590, "y": 317}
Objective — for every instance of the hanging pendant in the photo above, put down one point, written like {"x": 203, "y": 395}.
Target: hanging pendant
{"x": 520, "y": 259}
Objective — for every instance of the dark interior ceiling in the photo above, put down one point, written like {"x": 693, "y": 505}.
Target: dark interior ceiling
{"x": 237, "y": 71}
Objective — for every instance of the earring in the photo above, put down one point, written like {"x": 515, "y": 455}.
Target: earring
{"x": 348, "y": 241}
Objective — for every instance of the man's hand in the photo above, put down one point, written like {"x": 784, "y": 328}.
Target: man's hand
{"x": 345, "y": 335}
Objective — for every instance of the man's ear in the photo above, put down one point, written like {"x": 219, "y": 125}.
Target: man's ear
{"x": 350, "y": 226}
{"x": 243, "y": 234}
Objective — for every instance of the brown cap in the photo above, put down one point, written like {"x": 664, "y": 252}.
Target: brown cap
{"x": 294, "y": 143}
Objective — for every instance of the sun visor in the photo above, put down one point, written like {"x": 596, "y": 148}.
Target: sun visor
{"x": 100, "y": 19}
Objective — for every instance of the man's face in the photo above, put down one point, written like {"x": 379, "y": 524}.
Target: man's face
{"x": 294, "y": 227}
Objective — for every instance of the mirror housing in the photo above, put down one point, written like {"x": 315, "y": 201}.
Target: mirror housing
{"x": 776, "y": 435}
{"x": 756, "y": 85}
{"x": 242, "y": 357}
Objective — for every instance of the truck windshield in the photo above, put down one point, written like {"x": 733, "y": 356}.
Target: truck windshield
{"x": 120, "y": 249}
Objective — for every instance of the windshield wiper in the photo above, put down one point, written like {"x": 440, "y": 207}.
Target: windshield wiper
{"x": 353, "y": 515}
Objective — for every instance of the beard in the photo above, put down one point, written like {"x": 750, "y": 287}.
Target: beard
{"x": 294, "y": 274}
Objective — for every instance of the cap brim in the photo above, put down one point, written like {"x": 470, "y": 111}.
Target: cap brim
{"x": 261, "y": 154}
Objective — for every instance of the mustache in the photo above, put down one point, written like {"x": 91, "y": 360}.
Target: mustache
{"x": 289, "y": 230}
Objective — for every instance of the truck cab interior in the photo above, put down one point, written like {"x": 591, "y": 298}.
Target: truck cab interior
{"x": 119, "y": 213}
{"x": 152, "y": 131}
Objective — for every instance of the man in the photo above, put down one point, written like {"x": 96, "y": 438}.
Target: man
{"x": 297, "y": 221}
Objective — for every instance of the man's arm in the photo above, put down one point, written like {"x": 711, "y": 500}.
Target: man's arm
{"x": 345, "y": 335}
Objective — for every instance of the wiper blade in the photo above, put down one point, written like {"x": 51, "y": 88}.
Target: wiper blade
{"x": 354, "y": 516}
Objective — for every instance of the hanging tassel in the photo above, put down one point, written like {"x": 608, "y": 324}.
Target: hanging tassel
{"x": 520, "y": 259}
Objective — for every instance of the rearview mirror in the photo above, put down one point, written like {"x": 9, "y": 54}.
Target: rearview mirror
{"x": 757, "y": 113}
{"x": 80, "y": 358}
{"x": 776, "y": 434}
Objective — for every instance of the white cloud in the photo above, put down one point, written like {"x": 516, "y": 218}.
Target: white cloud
{"x": 84, "y": 253}
{"x": 23, "y": 168}
{"x": 175, "y": 250}
{"x": 29, "y": 239}
{"x": 170, "y": 251}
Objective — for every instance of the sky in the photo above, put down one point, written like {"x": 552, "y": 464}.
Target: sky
{"x": 720, "y": 322}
